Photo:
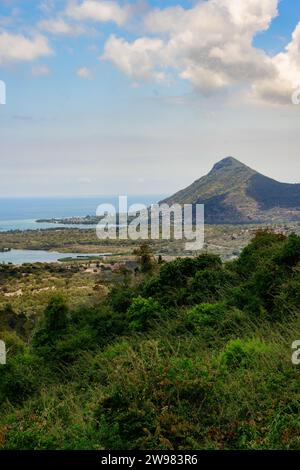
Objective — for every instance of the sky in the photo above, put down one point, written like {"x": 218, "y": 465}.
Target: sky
{"x": 143, "y": 97}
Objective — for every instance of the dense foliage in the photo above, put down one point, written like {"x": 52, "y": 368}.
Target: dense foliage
{"x": 196, "y": 355}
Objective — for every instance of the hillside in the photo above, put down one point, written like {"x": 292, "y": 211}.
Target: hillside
{"x": 193, "y": 354}
{"x": 234, "y": 193}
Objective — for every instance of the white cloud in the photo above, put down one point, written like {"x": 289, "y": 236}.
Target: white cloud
{"x": 17, "y": 47}
{"x": 214, "y": 17}
{"x": 286, "y": 77}
{"x": 84, "y": 72}
{"x": 211, "y": 46}
{"x": 99, "y": 11}
{"x": 139, "y": 59}
{"x": 60, "y": 26}
{"x": 40, "y": 70}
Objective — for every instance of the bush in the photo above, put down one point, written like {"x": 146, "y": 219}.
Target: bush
{"x": 216, "y": 375}
{"x": 173, "y": 285}
{"x": 20, "y": 377}
{"x": 287, "y": 300}
{"x": 240, "y": 353}
{"x": 120, "y": 299}
{"x": 54, "y": 323}
{"x": 210, "y": 285}
{"x": 204, "y": 315}
{"x": 216, "y": 323}
{"x": 14, "y": 344}
{"x": 142, "y": 312}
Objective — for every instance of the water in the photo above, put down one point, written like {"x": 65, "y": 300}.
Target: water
{"x": 22, "y": 213}
{"x": 31, "y": 224}
{"x": 40, "y": 256}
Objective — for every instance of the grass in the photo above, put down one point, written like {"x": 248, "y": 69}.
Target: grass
{"x": 163, "y": 364}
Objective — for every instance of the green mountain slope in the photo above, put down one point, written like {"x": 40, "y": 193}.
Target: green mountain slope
{"x": 234, "y": 193}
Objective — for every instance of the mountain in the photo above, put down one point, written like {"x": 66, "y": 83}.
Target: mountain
{"x": 233, "y": 193}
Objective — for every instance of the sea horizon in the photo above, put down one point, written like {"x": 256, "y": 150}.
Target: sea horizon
{"x": 21, "y": 213}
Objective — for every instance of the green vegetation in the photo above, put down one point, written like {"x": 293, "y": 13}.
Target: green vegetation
{"x": 192, "y": 354}
{"x": 27, "y": 289}
{"x": 225, "y": 240}
{"x": 233, "y": 193}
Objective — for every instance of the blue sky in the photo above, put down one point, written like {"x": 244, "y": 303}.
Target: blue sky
{"x": 134, "y": 97}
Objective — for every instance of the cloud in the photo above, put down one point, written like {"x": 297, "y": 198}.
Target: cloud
{"x": 211, "y": 46}
{"x": 213, "y": 17}
{"x": 138, "y": 59}
{"x": 84, "y": 72}
{"x": 60, "y": 26}
{"x": 99, "y": 11}
{"x": 40, "y": 71}
{"x": 17, "y": 47}
{"x": 286, "y": 77}
{"x": 46, "y": 6}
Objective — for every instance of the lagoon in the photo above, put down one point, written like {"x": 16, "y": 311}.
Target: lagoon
{"x": 41, "y": 256}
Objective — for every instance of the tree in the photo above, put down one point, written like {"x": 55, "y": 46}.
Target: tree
{"x": 145, "y": 257}
{"x": 56, "y": 315}
{"x": 54, "y": 323}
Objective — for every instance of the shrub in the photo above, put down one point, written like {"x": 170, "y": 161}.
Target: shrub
{"x": 14, "y": 344}
{"x": 54, "y": 323}
{"x": 289, "y": 255}
{"x": 173, "y": 285}
{"x": 56, "y": 315}
{"x": 19, "y": 378}
{"x": 287, "y": 300}
{"x": 191, "y": 379}
{"x": 142, "y": 312}
{"x": 216, "y": 323}
{"x": 120, "y": 299}
{"x": 262, "y": 247}
{"x": 209, "y": 285}
{"x": 240, "y": 353}
{"x": 204, "y": 315}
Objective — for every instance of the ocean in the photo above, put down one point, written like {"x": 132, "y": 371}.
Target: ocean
{"x": 22, "y": 213}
